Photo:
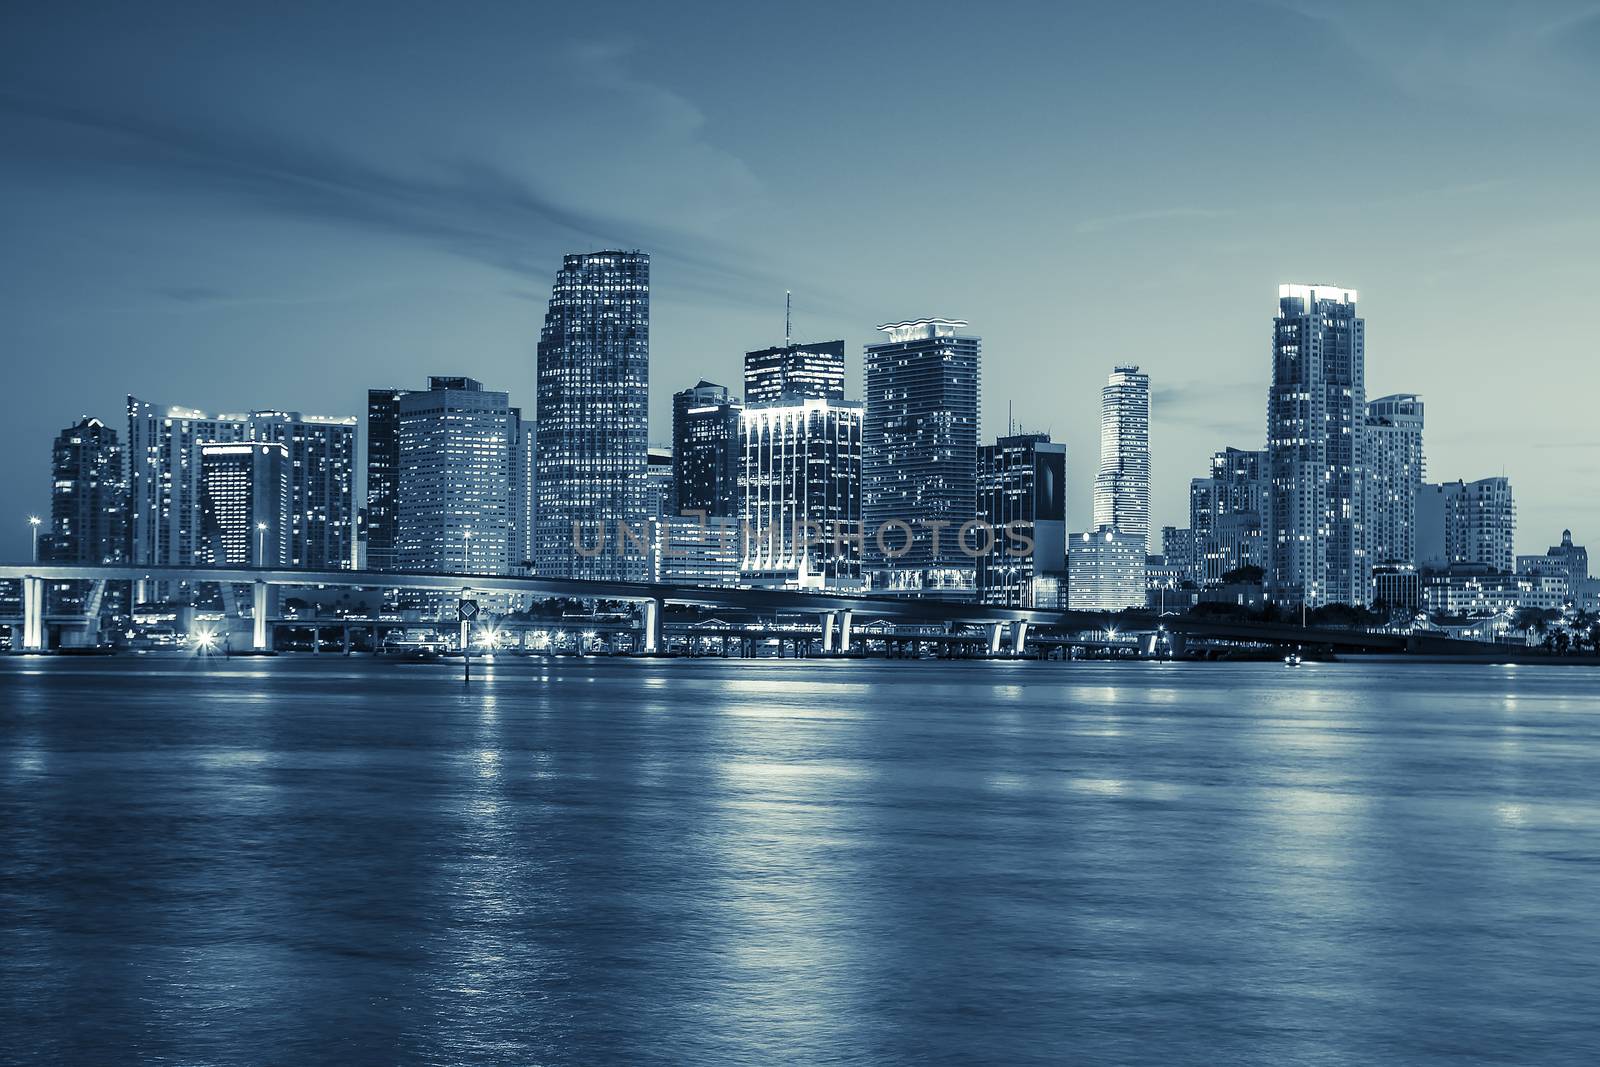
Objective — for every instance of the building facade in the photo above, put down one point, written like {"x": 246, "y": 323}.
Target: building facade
{"x": 383, "y": 478}
{"x": 1105, "y": 570}
{"x": 1393, "y": 465}
{"x": 1022, "y": 497}
{"x": 1467, "y": 522}
{"x": 1316, "y": 417}
{"x": 1567, "y": 560}
{"x": 322, "y": 457}
{"x": 705, "y": 450}
{"x": 455, "y": 506}
{"x": 593, "y": 417}
{"x": 921, "y": 446}
{"x": 88, "y": 496}
{"x": 794, "y": 372}
{"x": 1227, "y": 514}
{"x": 246, "y": 505}
{"x": 1122, "y": 486}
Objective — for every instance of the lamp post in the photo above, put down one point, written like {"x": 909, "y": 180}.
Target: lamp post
{"x": 261, "y": 544}
{"x": 34, "y": 521}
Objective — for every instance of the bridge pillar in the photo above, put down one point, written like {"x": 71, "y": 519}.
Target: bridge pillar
{"x": 652, "y": 626}
{"x": 1019, "y": 638}
{"x": 844, "y": 631}
{"x": 261, "y": 610}
{"x": 828, "y": 619}
{"x": 995, "y": 630}
{"x": 33, "y": 614}
{"x": 141, "y": 591}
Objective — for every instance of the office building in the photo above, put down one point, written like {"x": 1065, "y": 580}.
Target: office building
{"x": 705, "y": 450}
{"x": 921, "y": 446}
{"x": 1022, "y": 496}
{"x": 88, "y": 497}
{"x": 697, "y": 550}
{"x": 383, "y": 477}
{"x": 1393, "y": 465}
{"x": 794, "y": 372}
{"x": 658, "y": 470}
{"x": 322, "y": 457}
{"x": 246, "y": 502}
{"x": 455, "y": 504}
{"x": 1316, "y": 418}
{"x": 1467, "y": 522}
{"x": 800, "y": 494}
{"x": 592, "y": 417}
{"x": 1178, "y": 550}
{"x": 1106, "y": 571}
{"x": 1568, "y": 560}
{"x": 1227, "y": 514}
{"x": 1122, "y": 487}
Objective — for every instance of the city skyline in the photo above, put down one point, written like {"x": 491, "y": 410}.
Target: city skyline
{"x": 313, "y": 242}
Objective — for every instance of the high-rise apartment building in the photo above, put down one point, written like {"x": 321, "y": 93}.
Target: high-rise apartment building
{"x": 1393, "y": 465}
{"x": 383, "y": 477}
{"x": 1467, "y": 522}
{"x": 246, "y": 505}
{"x": 1022, "y": 496}
{"x": 705, "y": 450}
{"x": 1122, "y": 487}
{"x": 88, "y": 496}
{"x": 920, "y": 452}
{"x": 1227, "y": 514}
{"x": 1316, "y": 417}
{"x": 1105, "y": 570}
{"x": 455, "y": 504}
{"x": 593, "y": 416}
{"x": 322, "y": 457}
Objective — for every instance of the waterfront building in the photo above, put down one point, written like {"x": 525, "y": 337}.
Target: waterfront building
{"x": 88, "y": 496}
{"x": 382, "y": 521}
{"x": 1477, "y": 589}
{"x": 322, "y": 456}
{"x": 246, "y": 504}
{"x": 1316, "y": 418}
{"x": 1122, "y": 486}
{"x": 921, "y": 444}
{"x": 1567, "y": 560}
{"x": 1227, "y": 514}
{"x": 697, "y": 551}
{"x": 593, "y": 417}
{"x": 705, "y": 450}
{"x": 794, "y": 372}
{"x": 800, "y": 494}
{"x": 1467, "y": 522}
{"x": 455, "y": 499}
{"x": 1105, "y": 570}
{"x": 1022, "y": 496}
{"x": 1393, "y": 466}
{"x": 1397, "y": 585}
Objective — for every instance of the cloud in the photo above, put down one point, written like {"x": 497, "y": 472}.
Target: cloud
{"x": 1134, "y": 218}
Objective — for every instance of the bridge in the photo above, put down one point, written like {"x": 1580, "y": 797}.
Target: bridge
{"x": 835, "y": 613}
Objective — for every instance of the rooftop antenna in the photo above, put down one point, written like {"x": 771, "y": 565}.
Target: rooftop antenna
{"x": 786, "y": 318}
{"x": 1011, "y": 427}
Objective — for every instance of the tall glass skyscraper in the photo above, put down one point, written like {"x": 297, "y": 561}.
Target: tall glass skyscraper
{"x": 1022, "y": 490}
{"x": 383, "y": 477}
{"x": 1393, "y": 465}
{"x": 705, "y": 450}
{"x": 592, "y": 416}
{"x": 794, "y": 372}
{"x": 1122, "y": 488}
{"x": 1316, "y": 418}
{"x": 919, "y": 461}
{"x": 88, "y": 498}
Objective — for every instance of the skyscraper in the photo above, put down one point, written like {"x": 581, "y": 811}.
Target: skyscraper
{"x": 455, "y": 503}
{"x": 1467, "y": 522}
{"x": 705, "y": 450}
{"x": 920, "y": 447}
{"x": 246, "y": 502}
{"x": 1022, "y": 480}
{"x": 794, "y": 372}
{"x": 800, "y": 457}
{"x": 383, "y": 476}
{"x": 88, "y": 501}
{"x": 1393, "y": 466}
{"x": 322, "y": 456}
{"x": 593, "y": 415}
{"x": 1122, "y": 488}
{"x": 1105, "y": 570}
{"x": 1316, "y": 417}
{"x": 1227, "y": 514}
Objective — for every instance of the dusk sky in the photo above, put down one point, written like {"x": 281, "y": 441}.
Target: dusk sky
{"x": 235, "y": 210}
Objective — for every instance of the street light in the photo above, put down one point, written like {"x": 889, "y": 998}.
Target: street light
{"x": 261, "y": 544}
{"x": 34, "y": 521}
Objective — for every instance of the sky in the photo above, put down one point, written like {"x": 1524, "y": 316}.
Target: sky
{"x": 237, "y": 206}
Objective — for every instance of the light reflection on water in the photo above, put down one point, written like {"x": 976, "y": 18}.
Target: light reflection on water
{"x": 702, "y": 862}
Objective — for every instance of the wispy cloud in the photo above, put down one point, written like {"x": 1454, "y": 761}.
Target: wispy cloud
{"x": 1151, "y": 215}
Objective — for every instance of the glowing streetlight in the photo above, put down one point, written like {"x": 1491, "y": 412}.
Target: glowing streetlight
{"x": 261, "y": 544}
{"x": 35, "y": 521}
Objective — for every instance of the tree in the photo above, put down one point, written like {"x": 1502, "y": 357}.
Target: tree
{"x": 1246, "y": 575}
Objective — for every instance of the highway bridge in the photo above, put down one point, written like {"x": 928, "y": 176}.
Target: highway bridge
{"x": 836, "y": 615}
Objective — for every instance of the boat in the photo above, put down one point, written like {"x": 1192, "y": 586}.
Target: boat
{"x": 1292, "y": 659}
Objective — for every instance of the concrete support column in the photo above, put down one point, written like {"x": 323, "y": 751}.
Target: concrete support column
{"x": 262, "y": 609}
{"x": 828, "y": 620}
{"x": 652, "y": 626}
{"x": 995, "y": 630}
{"x": 141, "y": 591}
{"x": 33, "y": 614}
{"x": 346, "y": 636}
{"x": 844, "y": 631}
{"x": 1019, "y": 638}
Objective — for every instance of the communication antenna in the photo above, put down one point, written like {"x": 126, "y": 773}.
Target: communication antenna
{"x": 786, "y": 318}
